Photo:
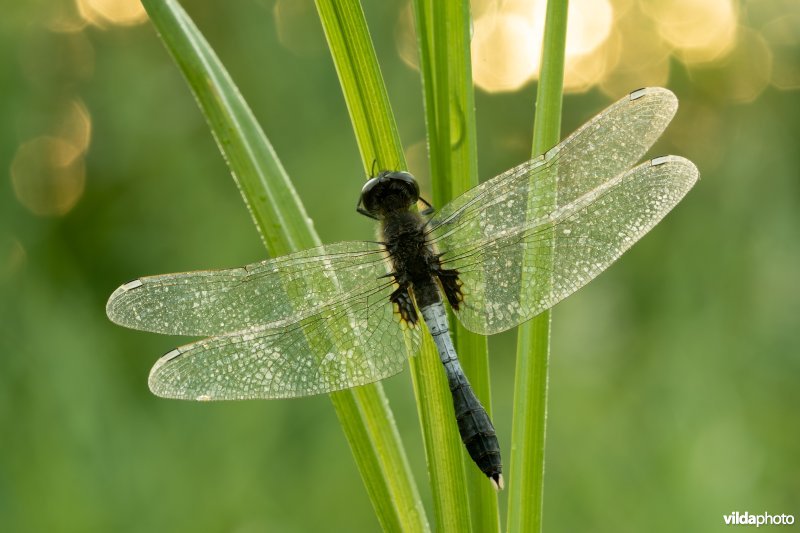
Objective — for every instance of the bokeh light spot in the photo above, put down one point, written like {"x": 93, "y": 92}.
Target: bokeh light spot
{"x": 644, "y": 56}
{"x": 583, "y": 72}
{"x": 75, "y": 125}
{"x": 103, "y": 13}
{"x": 700, "y": 32}
{"x": 478, "y": 8}
{"x": 417, "y": 161}
{"x": 588, "y": 26}
{"x": 783, "y": 36}
{"x": 743, "y": 75}
{"x": 48, "y": 175}
{"x": 405, "y": 37}
{"x": 505, "y": 52}
{"x": 63, "y": 17}
{"x": 507, "y": 40}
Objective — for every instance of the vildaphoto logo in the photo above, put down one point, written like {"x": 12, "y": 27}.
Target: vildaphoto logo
{"x": 765, "y": 519}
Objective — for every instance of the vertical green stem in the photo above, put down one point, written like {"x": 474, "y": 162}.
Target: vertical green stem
{"x": 362, "y": 84}
{"x": 526, "y": 476}
{"x": 377, "y": 137}
{"x": 443, "y": 31}
{"x": 394, "y": 494}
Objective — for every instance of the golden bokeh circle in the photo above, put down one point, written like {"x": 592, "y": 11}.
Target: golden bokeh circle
{"x": 505, "y": 52}
{"x": 48, "y": 175}
{"x": 103, "y": 13}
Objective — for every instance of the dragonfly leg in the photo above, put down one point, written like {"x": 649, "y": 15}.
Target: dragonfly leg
{"x": 451, "y": 285}
{"x": 404, "y": 305}
{"x": 429, "y": 210}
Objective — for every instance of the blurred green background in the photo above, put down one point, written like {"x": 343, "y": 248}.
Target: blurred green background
{"x": 674, "y": 376}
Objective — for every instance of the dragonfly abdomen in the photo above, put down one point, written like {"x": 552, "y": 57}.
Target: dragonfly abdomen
{"x": 474, "y": 424}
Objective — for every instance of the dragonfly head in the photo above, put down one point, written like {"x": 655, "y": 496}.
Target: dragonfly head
{"x": 387, "y": 192}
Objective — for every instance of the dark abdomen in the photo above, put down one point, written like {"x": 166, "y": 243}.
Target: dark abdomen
{"x": 474, "y": 425}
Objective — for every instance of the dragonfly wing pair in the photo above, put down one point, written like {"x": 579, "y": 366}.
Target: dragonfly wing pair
{"x": 307, "y": 323}
{"x": 530, "y": 237}
{"x": 321, "y": 320}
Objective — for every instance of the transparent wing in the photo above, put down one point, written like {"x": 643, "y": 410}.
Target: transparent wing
{"x": 514, "y": 273}
{"x": 352, "y": 342}
{"x": 604, "y": 147}
{"x": 223, "y": 301}
{"x": 508, "y": 206}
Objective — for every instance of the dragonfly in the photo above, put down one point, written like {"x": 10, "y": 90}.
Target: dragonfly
{"x": 347, "y": 314}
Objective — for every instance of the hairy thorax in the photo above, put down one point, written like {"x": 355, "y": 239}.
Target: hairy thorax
{"x": 413, "y": 259}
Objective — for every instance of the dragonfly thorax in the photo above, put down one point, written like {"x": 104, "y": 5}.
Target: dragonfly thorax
{"x": 389, "y": 192}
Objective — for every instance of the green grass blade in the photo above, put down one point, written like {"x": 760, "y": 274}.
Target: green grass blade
{"x": 377, "y": 136}
{"x": 363, "y": 412}
{"x": 378, "y": 140}
{"x": 362, "y": 83}
{"x": 526, "y": 475}
{"x": 445, "y": 64}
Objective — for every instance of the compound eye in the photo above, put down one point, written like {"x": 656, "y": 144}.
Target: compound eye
{"x": 366, "y": 193}
{"x": 368, "y": 186}
{"x": 408, "y": 179}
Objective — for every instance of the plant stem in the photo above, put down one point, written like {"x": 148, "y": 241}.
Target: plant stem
{"x": 526, "y": 476}
{"x": 443, "y": 34}
{"x": 377, "y": 136}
